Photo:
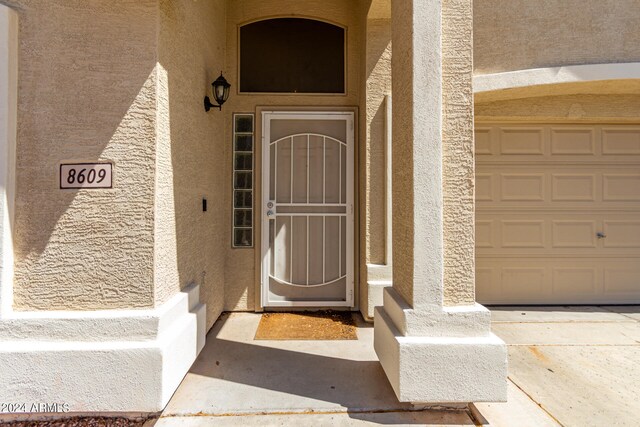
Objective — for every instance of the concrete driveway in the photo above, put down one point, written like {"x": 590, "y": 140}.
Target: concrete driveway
{"x": 569, "y": 366}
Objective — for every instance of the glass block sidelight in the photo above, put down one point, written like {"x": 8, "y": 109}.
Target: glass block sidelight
{"x": 243, "y": 160}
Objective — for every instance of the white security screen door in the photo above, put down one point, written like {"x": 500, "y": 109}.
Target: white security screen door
{"x": 307, "y": 209}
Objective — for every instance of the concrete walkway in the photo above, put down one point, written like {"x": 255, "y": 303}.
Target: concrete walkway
{"x": 570, "y": 366}
{"x": 240, "y": 381}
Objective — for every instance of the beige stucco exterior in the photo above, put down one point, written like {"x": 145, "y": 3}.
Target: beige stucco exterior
{"x": 86, "y": 92}
{"x": 378, "y": 72}
{"x": 148, "y": 234}
{"x": 187, "y": 247}
{"x": 457, "y": 157}
{"x": 519, "y": 34}
{"x": 584, "y": 107}
{"x": 375, "y": 230}
{"x": 175, "y": 242}
{"x": 125, "y": 84}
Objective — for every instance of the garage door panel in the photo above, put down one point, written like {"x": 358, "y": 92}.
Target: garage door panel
{"x": 569, "y": 187}
{"x": 485, "y": 234}
{"x": 622, "y": 278}
{"x": 621, "y": 141}
{"x": 621, "y": 187}
{"x": 509, "y": 282}
{"x": 622, "y": 234}
{"x": 524, "y": 280}
{"x": 573, "y": 234}
{"x": 483, "y": 141}
{"x": 573, "y": 141}
{"x": 568, "y": 281}
{"x": 485, "y": 187}
{"x": 522, "y": 187}
{"x": 529, "y": 141}
{"x": 557, "y": 233}
{"x": 544, "y": 194}
{"x": 522, "y": 234}
{"x": 487, "y": 287}
{"x": 558, "y": 281}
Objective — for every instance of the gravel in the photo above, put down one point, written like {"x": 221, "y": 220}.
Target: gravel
{"x": 79, "y": 422}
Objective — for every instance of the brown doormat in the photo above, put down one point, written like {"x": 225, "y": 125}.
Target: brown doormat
{"x": 318, "y": 325}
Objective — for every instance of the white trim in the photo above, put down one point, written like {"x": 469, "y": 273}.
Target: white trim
{"x": 555, "y": 75}
{"x": 307, "y": 134}
{"x": 284, "y": 282}
{"x": 102, "y": 361}
{"x": 8, "y": 131}
{"x": 461, "y": 369}
{"x": 267, "y": 116}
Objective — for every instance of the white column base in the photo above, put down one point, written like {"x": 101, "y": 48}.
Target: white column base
{"x": 441, "y": 368}
{"x": 378, "y": 278}
{"x": 101, "y": 361}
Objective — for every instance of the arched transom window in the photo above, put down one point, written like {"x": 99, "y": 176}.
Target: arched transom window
{"x": 292, "y": 55}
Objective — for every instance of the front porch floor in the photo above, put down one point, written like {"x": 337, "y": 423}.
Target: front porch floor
{"x": 237, "y": 380}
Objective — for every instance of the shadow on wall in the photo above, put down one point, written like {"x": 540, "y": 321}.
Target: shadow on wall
{"x": 191, "y": 160}
{"x": 378, "y": 85}
{"x": 113, "y": 89}
{"x": 86, "y": 93}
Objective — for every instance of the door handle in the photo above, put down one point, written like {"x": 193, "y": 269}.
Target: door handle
{"x": 269, "y": 213}
{"x": 600, "y": 235}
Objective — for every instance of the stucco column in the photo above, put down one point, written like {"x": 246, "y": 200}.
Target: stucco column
{"x": 431, "y": 352}
{"x": 8, "y": 129}
{"x": 82, "y": 322}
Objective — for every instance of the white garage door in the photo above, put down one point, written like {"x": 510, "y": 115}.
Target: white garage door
{"x": 558, "y": 214}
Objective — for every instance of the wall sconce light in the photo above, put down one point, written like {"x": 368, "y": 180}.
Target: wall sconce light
{"x": 220, "y": 93}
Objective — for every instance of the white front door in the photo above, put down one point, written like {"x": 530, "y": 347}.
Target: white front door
{"x": 307, "y": 209}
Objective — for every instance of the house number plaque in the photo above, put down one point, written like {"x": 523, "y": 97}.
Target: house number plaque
{"x": 86, "y": 175}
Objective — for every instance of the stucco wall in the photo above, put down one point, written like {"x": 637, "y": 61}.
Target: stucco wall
{"x": 520, "y": 34}
{"x": 8, "y": 130}
{"x": 375, "y": 260}
{"x": 241, "y": 273}
{"x": 189, "y": 243}
{"x": 583, "y": 107}
{"x": 458, "y": 168}
{"x": 378, "y": 75}
{"x": 86, "y": 93}
{"x": 458, "y": 161}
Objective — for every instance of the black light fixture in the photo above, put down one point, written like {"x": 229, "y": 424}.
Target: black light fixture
{"x": 220, "y": 93}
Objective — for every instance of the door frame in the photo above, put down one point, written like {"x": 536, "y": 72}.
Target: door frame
{"x": 265, "y": 117}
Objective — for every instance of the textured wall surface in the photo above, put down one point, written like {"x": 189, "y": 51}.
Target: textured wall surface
{"x": 519, "y": 34}
{"x": 529, "y": 88}
{"x": 8, "y": 131}
{"x": 587, "y": 107}
{"x": 433, "y": 195}
{"x": 417, "y": 152}
{"x": 373, "y": 174}
{"x": 458, "y": 169}
{"x": 378, "y": 69}
{"x": 86, "y": 93}
{"x": 402, "y": 119}
{"x": 241, "y": 274}
{"x": 189, "y": 243}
